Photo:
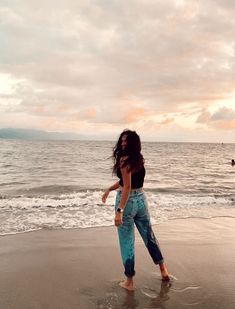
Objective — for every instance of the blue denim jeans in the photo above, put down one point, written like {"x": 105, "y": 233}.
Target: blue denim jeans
{"x": 136, "y": 212}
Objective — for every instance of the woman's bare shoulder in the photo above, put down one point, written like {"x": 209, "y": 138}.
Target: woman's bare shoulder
{"x": 122, "y": 162}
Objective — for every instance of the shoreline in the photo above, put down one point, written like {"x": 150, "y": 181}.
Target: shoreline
{"x": 169, "y": 220}
{"x": 81, "y": 268}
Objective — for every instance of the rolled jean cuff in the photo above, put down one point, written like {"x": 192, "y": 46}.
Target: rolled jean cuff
{"x": 159, "y": 262}
{"x": 129, "y": 275}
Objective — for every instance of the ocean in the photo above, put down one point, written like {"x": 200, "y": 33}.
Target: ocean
{"x": 58, "y": 184}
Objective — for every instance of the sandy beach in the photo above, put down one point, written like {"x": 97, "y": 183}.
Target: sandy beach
{"x": 55, "y": 269}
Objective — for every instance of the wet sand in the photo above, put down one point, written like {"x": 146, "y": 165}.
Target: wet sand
{"x": 68, "y": 269}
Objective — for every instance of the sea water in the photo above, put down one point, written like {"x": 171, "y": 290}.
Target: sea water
{"x": 59, "y": 184}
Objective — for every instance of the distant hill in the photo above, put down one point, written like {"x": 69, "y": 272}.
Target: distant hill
{"x": 14, "y": 133}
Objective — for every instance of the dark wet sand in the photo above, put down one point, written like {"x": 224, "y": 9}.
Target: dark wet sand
{"x": 68, "y": 269}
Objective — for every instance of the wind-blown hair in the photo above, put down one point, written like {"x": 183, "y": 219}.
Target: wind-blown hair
{"x": 134, "y": 160}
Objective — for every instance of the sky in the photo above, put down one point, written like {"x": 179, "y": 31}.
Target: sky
{"x": 163, "y": 68}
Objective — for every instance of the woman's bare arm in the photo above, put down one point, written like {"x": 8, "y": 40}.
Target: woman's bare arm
{"x": 115, "y": 186}
{"x": 126, "y": 176}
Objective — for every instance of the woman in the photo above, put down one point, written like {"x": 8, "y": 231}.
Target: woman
{"x": 131, "y": 205}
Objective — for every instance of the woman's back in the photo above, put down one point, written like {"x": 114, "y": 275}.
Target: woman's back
{"x": 137, "y": 178}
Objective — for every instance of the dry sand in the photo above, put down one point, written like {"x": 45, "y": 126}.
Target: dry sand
{"x": 55, "y": 269}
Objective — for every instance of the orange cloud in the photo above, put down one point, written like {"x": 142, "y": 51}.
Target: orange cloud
{"x": 83, "y": 114}
{"x": 134, "y": 115}
{"x": 90, "y": 113}
{"x": 40, "y": 109}
{"x": 224, "y": 124}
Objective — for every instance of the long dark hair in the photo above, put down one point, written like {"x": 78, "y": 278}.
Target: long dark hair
{"x": 134, "y": 159}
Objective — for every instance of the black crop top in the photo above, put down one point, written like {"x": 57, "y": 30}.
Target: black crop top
{"x": 137, "y": 179}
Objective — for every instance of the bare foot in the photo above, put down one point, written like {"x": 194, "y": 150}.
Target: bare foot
{"x": 128, "y": 285}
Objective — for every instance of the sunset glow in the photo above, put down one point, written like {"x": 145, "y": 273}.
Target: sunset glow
{"x": 165, "y": 69}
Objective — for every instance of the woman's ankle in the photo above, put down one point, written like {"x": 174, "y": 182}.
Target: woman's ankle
{"x": 162, "y": 266}
{"x": 127, "y": 284}
{"x": 129, "y": 280}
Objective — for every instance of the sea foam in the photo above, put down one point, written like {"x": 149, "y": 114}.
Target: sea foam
{"x": 85, "y": 209}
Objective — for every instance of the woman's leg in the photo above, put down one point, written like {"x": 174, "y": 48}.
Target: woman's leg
{"x": 142, "y": 221}
{"x": 144, "y": 227}
{"x": 127, "y": 241}
{"x": 164, "y": 272}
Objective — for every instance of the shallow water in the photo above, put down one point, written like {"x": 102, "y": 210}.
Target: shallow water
{"x": 58, "y": 184}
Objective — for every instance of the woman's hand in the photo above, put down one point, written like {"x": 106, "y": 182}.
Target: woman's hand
{"x": 105, "y": 195}
{"x": 118, "y": 219}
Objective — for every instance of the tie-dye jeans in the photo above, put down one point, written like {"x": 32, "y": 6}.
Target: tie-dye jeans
{"x": 136, "y": 211}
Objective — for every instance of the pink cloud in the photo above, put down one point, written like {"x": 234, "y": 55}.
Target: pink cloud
{"x": 222, "y": 119}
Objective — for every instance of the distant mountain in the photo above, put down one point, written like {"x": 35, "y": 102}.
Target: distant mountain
{"x": 14, "y": 133}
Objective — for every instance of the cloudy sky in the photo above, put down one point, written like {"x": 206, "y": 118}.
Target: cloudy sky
{"x": 164, "y": 68}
